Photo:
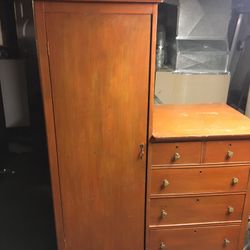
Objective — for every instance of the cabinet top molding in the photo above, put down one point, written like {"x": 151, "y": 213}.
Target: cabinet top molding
{"x": 103, "y": 1}
{"x": 198, "y": 121}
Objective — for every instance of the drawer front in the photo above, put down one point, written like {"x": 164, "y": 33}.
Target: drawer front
{"x": 195, "y": 238}
{"x": 176, "y": 153}
{"x": 186, "y": 210}
{"x": 195, "y": 180}
{"x": 227, "y": 151}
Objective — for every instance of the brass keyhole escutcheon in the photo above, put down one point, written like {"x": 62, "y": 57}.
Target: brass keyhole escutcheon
{"x": 142, "y": 151}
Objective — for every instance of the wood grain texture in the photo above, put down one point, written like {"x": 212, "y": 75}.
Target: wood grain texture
{"x": 198, "y": 121}
{"x": 150, "y": 119}
{"x": 100, "y": 85}
{"x": 199, "y": 192}
{"x": 199, "y": 180}
{"x": 49, "y": 118}
{"x": 216, "y": 151}
{"x": 195, "y": 238}
{"x": 189, "y": 152}
{"x": 100, "y": 8}
{"x": 200, "y": 209}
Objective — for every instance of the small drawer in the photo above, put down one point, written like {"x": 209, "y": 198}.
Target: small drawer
{"x": 195, "y": 238}
{"x": 176, "y": 153}
{"x": 185, "y": 210}
{"x": 227, "y": 151}
{"x": 198, "y": 180}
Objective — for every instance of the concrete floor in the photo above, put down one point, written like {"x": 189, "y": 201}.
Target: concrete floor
{"x": 26, "y": 213}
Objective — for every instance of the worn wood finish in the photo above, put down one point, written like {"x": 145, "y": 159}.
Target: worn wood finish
{"x": 49, "y": 118}
{"x": 198, "y": 180}
{"x": 198, "y": 121}
{"x": 164, "y": 153}
{"x": 97, "y": 64}
{"x": 217, "y": 151}
{"x": 150, "y": 118}
{"x": 98, "y": 96}
{"x": 93, "y": 83}
{"x": 101, "y": 8}
{"x": 196, "y": 238}
{"x": 198, "y": 193}
{"x": 200, "y": 209}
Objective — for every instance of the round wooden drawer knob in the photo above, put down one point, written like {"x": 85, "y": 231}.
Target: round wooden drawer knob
{"x": 176, "y": 157}
{"x": 230, "y": 154}
{"x": 235, "y": 180}
{"x": 226, "y": 242}
{"x": 230, "y": 210}
{"x": 165, "y": 183}
{"x": 163, "y": 214}
{"x": 163, "y": 246}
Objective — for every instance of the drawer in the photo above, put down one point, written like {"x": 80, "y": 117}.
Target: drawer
{"x": 195, "y": 238}
{"x": 200, "y": 209}
{"x": 198, "y": 180}
{"x": 227, "y": 151}
{"x": 176, "y": 153}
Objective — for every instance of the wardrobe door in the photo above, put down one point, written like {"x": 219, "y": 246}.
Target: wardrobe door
{"x": 99, "y": 67}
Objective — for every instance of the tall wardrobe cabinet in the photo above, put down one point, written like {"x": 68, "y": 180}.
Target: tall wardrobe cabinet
{"x": 97, "y": 72}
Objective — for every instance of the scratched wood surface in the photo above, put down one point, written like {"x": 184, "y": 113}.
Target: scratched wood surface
{"x": 198, "y": 121}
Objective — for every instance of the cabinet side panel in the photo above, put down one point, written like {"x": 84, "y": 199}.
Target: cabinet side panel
{"x": 150, "y": 117}
{"x": 99, "y": 64}
{"x": 49, "y": 117}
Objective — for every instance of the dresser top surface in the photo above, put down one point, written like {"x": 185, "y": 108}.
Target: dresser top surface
{"x": 198, "y": 121}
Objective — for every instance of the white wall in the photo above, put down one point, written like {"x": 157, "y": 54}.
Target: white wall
{"x": 172, "y": 88}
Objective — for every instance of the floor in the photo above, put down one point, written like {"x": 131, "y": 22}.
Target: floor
{"x": 26, "y": 213}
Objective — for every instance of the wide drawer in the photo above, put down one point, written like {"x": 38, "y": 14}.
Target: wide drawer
{"x": 195, "y": 238}
{"x": 176, "y": 153}
{"x": 198, "y": 209}
{"x": 198, "y": 180}
{"x": 227, "y": 151}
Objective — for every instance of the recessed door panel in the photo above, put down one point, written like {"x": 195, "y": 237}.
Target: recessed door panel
{"x": 99, "y": 64}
